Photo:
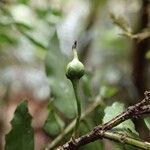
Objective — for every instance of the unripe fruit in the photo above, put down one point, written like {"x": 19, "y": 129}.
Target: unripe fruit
{"x": 75, "y": 69}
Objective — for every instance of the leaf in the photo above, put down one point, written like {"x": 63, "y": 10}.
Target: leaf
{"x": 21, "y": 136}
{"x": 127, "y": 126}
{"x": 53, "y": 124}
{"x": 99, "y": 111}
{"x": 33, "y": 40}
{"x": 23, "y": 26}
{"x": 41, "y": 13}
{"x": 147, "y": 121}
{"x": 117, "y": 146}
{"x": 23, "y": 1}
{"x": 61, "y": 87}
{"x": 120, "y": 146}
{"x": 106, "y": 91}
{"x": 7, "y": 39}
{"x": 86, "y": 126}
{"x": 87, "y": 84}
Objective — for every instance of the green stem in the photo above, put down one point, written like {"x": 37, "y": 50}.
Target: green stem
{"x": 127, "y": 140}
{"x": 75, "y": 88}
{"x": 70, "y": 127}
{"x": 75, "y": 55}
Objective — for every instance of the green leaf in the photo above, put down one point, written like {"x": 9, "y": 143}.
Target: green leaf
{"x": 61, "y": 87}
{"x": 106, "y": 91}
{"x": 23, "y": 26}
{"x": 87, "y": 84}
{"x": 120, "y": 146}
{"x": 53, "y": 124}
{"x": 127, "y": 126}
{"x": 23, "y": 1}
{"x": 21, "y": 136}
{"x": 96, "y": 145}
{"x": 99, "y": 111}
{"x": 41, "y": 13}
{"x": 147, "y": 121}
{"x": 117, "y": 146}
{"x": 86, "y": 126}
{"x": 33, "y": 40}
{"x": 7, "y": 39}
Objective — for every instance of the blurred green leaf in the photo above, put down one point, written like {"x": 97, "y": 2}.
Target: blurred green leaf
{"x": 5, "y": 23}
{"x": 23, "y": 1}
{"x": 7, "y": 39}
{"x": 56, "y": 12}
{"x": 54, "y": 124}
{"x": 33, "y": 40}
{"x": 110, "y": 41}
{"x": 23, "y": 26}
{"x": 131, "y": 147}
{"x": 147, "y": 121}
{"x": 99, "y": 112}
{"x": 126, "y": 127}
{"x": 61, "y": 87}
{"x": 21, "y": 136}
{"x": 117, "y": 146}
{"x": 87, "y": 84}
{"x": 120, "y": 146}
{"x": 107, "y": 91}
{"x": 41, "y": 12}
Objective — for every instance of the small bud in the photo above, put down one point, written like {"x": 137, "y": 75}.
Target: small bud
{"x": 75, "y": 69}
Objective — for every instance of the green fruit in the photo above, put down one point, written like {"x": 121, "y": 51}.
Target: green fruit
{"x": 75, "y": 69}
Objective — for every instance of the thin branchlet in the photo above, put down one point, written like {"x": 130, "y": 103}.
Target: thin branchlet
{"x": 101, "y": 131}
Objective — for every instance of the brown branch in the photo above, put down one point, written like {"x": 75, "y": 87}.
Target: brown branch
{"x": 99, "y": 131}
{"x": 144, "y": 110}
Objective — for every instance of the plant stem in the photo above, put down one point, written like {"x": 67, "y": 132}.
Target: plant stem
{"x": 100, "y": 130}
{"x": 69, "y": 128}
{"x": 75, "y": 88}
{"x": 126, "y": 140}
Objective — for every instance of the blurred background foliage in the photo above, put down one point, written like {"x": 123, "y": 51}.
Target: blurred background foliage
{"x": 36, "y": 37}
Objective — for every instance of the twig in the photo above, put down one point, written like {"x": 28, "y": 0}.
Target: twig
{"x": 70, "y": 127}
{"x": 144, "y": 110}
{"x": 99, "y": 131}
{"x": 126, "y": 140}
